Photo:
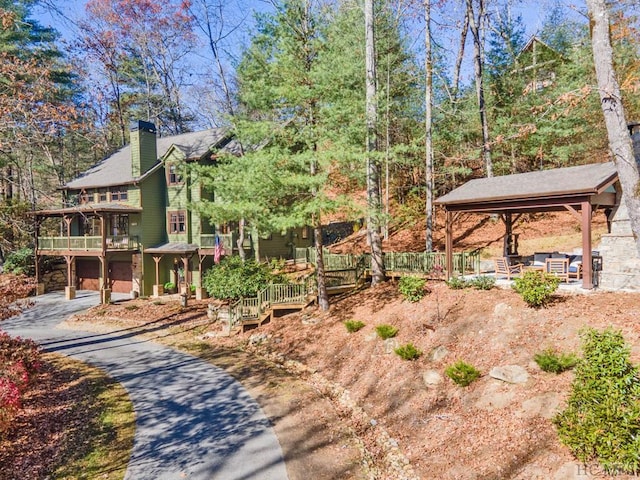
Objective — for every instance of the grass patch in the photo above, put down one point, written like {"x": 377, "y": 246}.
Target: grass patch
{"x": 108, "y": 431}
{"x": 385, "y": 331}
{"x": 554, "y": 362}
{"x": 353, "y": 326}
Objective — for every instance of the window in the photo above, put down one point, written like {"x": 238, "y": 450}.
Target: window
{"x": 118, "y": 194}
{"x": 177, "y": 222}
{"x": 102, "y": 195}
{"x": 173, "y": 175}
{"x": 119, "y": 224}
{"x": 305, "y": 232}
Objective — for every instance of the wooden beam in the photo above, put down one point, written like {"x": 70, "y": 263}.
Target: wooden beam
{"x": 157, "y": 260}
{"x": 587, "y": 263}
{"x": 69, "y": 259}
{"x": 449, "y": 243}
{"x": 574, "y": 212}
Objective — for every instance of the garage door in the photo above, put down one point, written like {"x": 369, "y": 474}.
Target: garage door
{"x": 120, "y": 277}
{"x": 88, "y": 273}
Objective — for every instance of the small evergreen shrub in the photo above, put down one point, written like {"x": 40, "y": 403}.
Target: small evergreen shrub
{"x": 233, "y": 278}
{"x": 385, "y": 331}
{"x": 457, "y": 283}
{"x": 483, "y": 282}
{"x": 408, "y": 351}
{"x": 169, "y": 286}
{"x": 412, "y": 288}
{"x": 462, "y": 373}
{"x": 536, "y": 288}
{"x": 602, "y": 419}
{"x": 353, "y": 325}
{"x": 554, "y": 362}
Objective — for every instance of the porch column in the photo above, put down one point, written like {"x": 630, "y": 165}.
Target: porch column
{"x": 68, "y": 221}
{"x": 448, "y": 245}
{"x": 70, "y": 289}
{"x": 105, "y": 291}
{"x": 158, "y": 290}
{"x": 187, "y": 275}
{"x": 103, "y": 233}
{"x": 587, "y": 263}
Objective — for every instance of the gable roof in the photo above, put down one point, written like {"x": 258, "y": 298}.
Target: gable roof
{"x": 522, "y": 187}
{"x": 116, "y": 169}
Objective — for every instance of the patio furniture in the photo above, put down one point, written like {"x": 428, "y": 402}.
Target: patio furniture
{"x": 575, "y": 267}
{"x": 503, "y": 268}
{"x": 559, "y": 267}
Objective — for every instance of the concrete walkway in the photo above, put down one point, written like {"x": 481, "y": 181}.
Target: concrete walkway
{"x": 193, "y": 420}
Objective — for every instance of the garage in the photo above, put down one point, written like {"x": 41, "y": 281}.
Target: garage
{"x": 88, "y": 274}
{"x": 120, "y": 277}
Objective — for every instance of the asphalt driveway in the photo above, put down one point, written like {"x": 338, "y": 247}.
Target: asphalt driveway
{"x": 193, "y": 420}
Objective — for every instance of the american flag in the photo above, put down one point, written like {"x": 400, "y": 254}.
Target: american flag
{"x": 219, "y": 251}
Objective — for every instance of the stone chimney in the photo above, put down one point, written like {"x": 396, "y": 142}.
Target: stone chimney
{"x": 143, "y": 147}
{"x": 620, "y": 260}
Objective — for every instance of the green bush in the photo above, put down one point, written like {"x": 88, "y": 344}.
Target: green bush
{"x": 408, "y": 351}
{"x": 462, "y": 373}
{"x": 353, "y": 325}
{"x": 554, "y": 362}
{"x": 457, "y": 283}
{"x": 483, "y": 282}
{"x": 385, "y": 331}
{"x": 20, "y": 262}
{"x": 412, "y": 288}
{"x": 233, "y": 278}
{"x": 602, "y": 419}
{"x": 169, "y": 286}
{"x": 536, "y": 288}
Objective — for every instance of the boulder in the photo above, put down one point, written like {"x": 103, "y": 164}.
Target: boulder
{"x": 510, "y": 374}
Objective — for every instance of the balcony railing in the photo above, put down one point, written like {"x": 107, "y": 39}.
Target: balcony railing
{"x": 226, "y": 239}
{"x": 88, "y": 243}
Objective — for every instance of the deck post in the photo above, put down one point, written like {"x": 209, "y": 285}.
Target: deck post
{"x": 587, "y": 264}
{"x": 449, "y": 244}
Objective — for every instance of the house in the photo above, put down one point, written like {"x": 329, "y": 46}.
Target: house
{"x": 537, "y": 62}
{"x": 128, "y": 225}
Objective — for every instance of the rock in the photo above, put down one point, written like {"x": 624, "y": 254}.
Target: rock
{"x": 431, "y": 378}
{"x": 545, "y": 405}
{"x": 438, "y": 353}
{"x": 258, "y": 338}
{"x": 494, "y": 396}
{"x": 390, "y": 344}
{"x": 309, "y": 320}
{"x": 510, "y": 374}
{"x": 371, "y": 337}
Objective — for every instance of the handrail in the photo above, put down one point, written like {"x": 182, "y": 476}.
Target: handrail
{"x": 89, "y": 243}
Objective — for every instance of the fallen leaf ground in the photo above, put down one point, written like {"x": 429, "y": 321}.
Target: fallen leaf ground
{"x": 345, "y": 406}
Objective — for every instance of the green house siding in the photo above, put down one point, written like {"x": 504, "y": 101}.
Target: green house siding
{"x": 152, "y": 193}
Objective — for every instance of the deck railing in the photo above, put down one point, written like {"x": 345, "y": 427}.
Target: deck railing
{"x": 401, "y": 262}
{"x": 228, "y": 241}
{"x": 89, "y": 243}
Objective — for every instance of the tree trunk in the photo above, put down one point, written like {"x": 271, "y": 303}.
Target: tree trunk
{"x": 620, "y": 142}
{"x": 475, "y": 25}
{"x": 240, "y": 241}
{"x": 458, "y": 66}
{"x": 323, "y": 296}
{"x": 428, "y": 94}
{"x": 255, "y": 240}
{"x": 373, "y": 167}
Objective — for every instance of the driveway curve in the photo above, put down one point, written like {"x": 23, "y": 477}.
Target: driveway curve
{"x": 193, "y": 420}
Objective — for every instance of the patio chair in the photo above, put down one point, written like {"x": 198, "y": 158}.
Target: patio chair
{"x": 559, "y": 267}
{"x": 503, "y": 268}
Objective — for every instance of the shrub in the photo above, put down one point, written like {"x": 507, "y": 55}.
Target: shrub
{"x": 412, "y": 288}
{"x": 483, "y": 282}
{"x": 20, "y": 262}
{"x": 536, "y": 288}
{"x": 131, "y": 308}
{"x": 233, "y": 278}
{"x": 385, "y": 331}
{"x": 169, "y": 286}
{"x": 353, "y": 325}
{"x": 602, "y": 418}
{"x": 408, "y": 351}
{"x": 462, "y": 373}
{"x": 554, "y": 362}
{"x": 457, "y": 283}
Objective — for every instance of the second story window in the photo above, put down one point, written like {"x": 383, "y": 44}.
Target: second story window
{"x": 173, "y": 175}
{"x": 118, "y": 194}
{"x": 178, "y": 222}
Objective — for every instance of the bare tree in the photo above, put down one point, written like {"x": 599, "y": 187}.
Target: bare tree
{"x": 620, "y": 142}
{"x": 428, "y": 104}
{"x": 373, "y": 164}
{"x": 476, "y": 21}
